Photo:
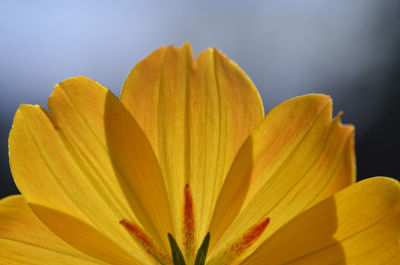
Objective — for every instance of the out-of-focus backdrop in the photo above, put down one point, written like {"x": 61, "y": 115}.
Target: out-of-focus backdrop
{"x": 347, "y": 49}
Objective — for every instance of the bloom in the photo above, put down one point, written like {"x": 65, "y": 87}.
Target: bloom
{"x": 187, "y": 151}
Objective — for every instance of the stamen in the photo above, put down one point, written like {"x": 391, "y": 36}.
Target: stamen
{"x": 188, "y": 225}
{"x": 252, "y": 235}
{"x": 146, "y": 242}
{"x": 247, "y": 239}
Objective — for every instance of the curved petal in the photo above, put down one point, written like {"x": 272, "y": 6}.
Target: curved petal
{"x": 85, "y": 237}
{"x": 344, "y": 174}
{"x": 359, "y": 225}
{"x": 100, "y": 129}
{"x": 54, "y": 170}
{"x": 296, "y": 154}
{"x": 24, "y": 239}
{"x": 134, "y": 158}
{"x": 196, "y": 115}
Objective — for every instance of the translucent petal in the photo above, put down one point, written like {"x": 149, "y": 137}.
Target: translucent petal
{"x": 54, "y": 169}
{"x": 24, "y": 239}
{"x": 359, "y": 225}
{"x": 196, "y": 115}
{"x": 285, "y": 164}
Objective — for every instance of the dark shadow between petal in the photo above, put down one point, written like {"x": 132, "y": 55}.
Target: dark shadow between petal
{"x": 138, "y": 171}
{"x": 306, "y": 239}
{"x": 81, "y": 235}
{"x": 233, "y": 192}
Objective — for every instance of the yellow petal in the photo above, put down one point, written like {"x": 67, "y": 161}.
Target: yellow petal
{"x": 134, "y": 158}
{"x": 77, "y": 109}
{"x": 196, "y": 116}
{"x": 345, "y": 173}
{"x": 53, "y": 170}
{"x": 286, "y": 163}
{"x": 359, "y": 225}
{"x": 84, "y": 237}
{"x": 100, "y": 127}
{"x": 25, "y": 240}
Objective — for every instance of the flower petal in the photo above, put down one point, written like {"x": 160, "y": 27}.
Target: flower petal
{"x": 85, "y": 237}
{"x": 196, "y": 116}
{"x": 134, "y": 158}
{"x": 289, "y": 160}
{"x": 25, "y": 240}
{"x": 52, "y": 171}
{"x": 77, "y": 108}
{"x": 359, "y": 225}
{"x": 344, "y": 174}
{"x": 102, "y": 128}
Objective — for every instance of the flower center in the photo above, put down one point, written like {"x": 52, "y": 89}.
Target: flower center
{"x": 230, "y": 253}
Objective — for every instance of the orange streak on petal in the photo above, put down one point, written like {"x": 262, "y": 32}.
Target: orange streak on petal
{"x": 246, "y": 240}
{"x": 188, "y": 223}
{"x": 252, "y": 235}
{"x": 146, "y": 241}
{"x": 140, "y": 235}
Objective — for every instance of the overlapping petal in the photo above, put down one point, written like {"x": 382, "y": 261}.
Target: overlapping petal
{"x": 60, "y": 160}
{"x": 24, "y": 239}
{"x": 196, "y": 115}
{"x": 359, "y": 225}
{"x": 186, "y": 151}
{"x": 296, "y": 155}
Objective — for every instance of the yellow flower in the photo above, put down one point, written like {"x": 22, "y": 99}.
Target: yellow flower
{"x": 186, "y": 152}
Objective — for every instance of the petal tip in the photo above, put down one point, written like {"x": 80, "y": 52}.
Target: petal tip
{"x": 73, "y": 80}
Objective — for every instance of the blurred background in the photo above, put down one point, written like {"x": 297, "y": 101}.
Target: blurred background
{"x": 347, "y": 49}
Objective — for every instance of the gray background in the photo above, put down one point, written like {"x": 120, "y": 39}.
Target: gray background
{"x": 347, "y": 49}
